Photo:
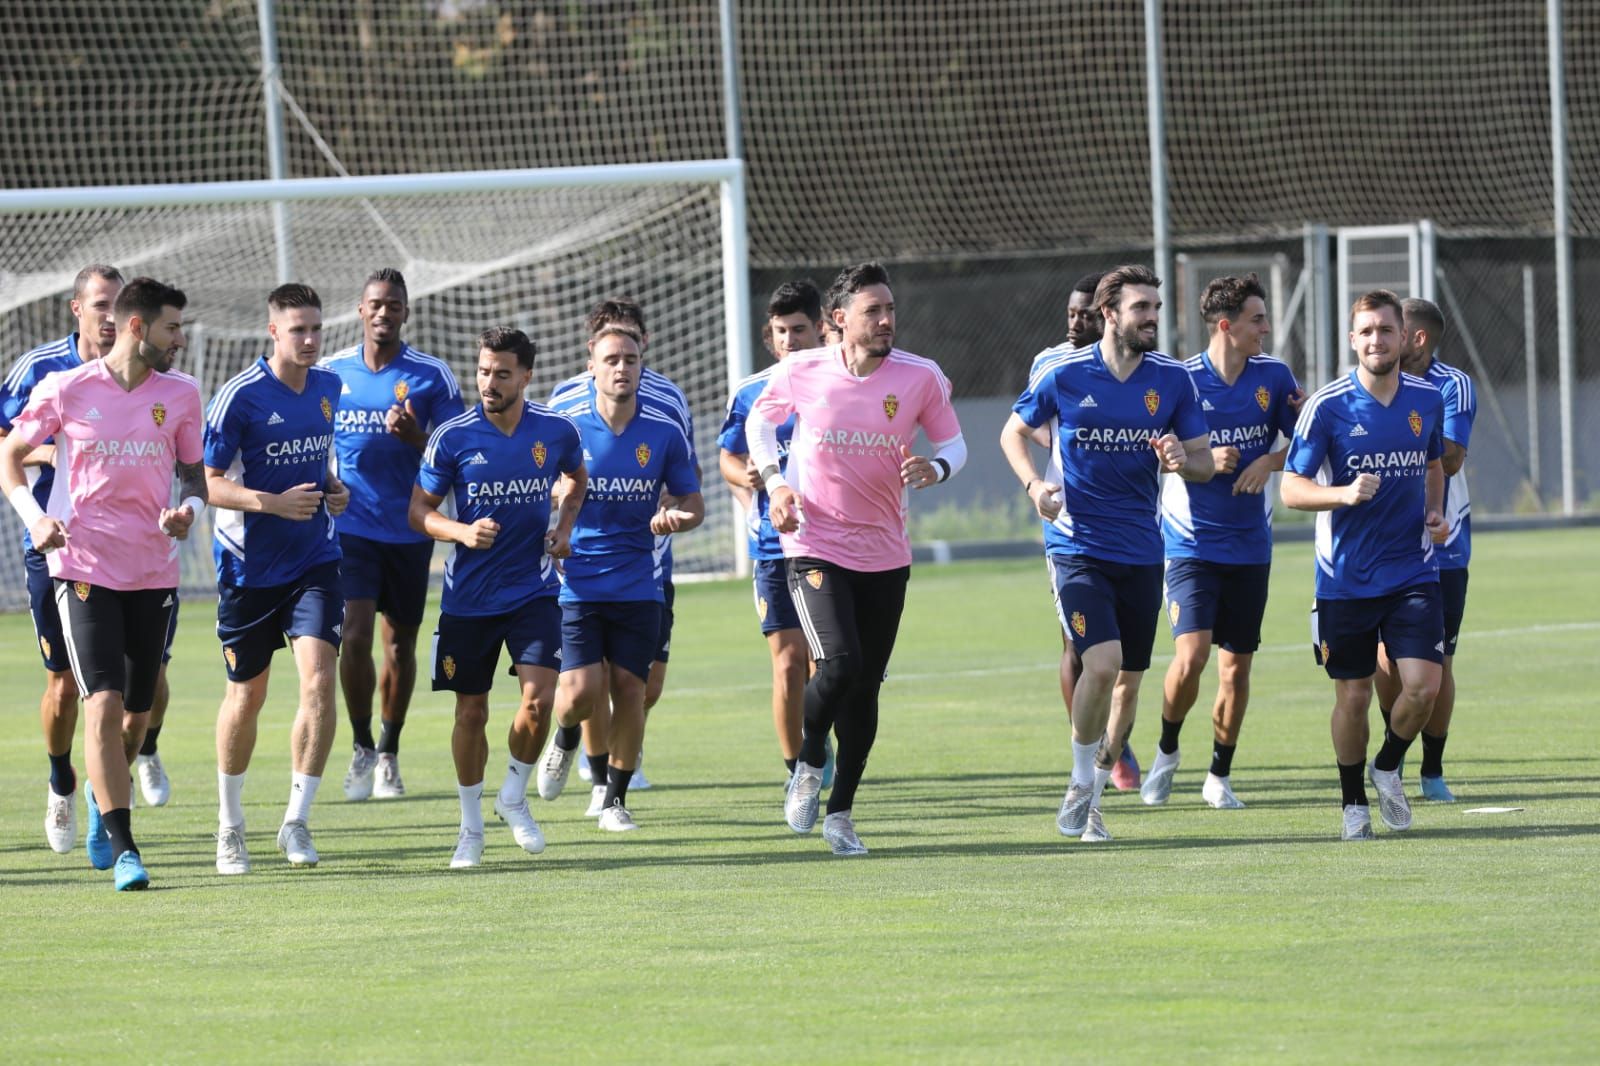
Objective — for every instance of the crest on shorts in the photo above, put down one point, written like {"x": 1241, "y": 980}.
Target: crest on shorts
{"x": 449, "y": 665}
{"x": 1263, "y": 397}
{"x": 1414, "y": 420}
{"x": 158, "y": 411}
{"x": 814, "y": 578}
{"x": 891, "y": 405}
{"x": 1152, "y": 401}
{"x": 44, "y": 646}
{"x": 642, "y": 453}
{"x": 402, "y": 389}
{"x": 327, "y": 410}
{"x": 761, "y": 610}
{"x": 1079, "y": 625}
{"x": 1173, "y": 612}
{"x": 230, "y": 657}
{"x": 539, "y": 454}
{"x": 82, "y": 590}
{"x": 1325, "y": 655}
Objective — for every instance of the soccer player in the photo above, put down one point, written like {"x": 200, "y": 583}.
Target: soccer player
{"x": 123, "y": 424}
{"x": 842, "y": 521}
{"x": 794, "y": 324}
{"x": 500, "y": 461}
{"x": 392, "y": 395}
{"x": 1123, "y": 414}
{"x": 269, "y": 438}
{"x": 1218, "y": 533}
{"x": 1365, "y": 458}
{"x": 1424, "y": 329}
{"x": 642, "y": 484}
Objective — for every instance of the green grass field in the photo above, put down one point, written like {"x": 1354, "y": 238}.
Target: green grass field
{"x": 973, "y": 932}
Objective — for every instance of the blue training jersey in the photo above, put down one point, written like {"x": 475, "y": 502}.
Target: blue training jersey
{"x": 270, "y": 438}
{"x": 508, "y": 479}
{"x": 613, "y": 551}
{"x": 1381, "y": 546}
{"x": 378, "y": 467}
{"x": 1460, "y": 410}
{"x": 1207, "y": 520}
{"x": 25, "y": 373}
{"x": 1102, "y": 429}
{"x": 762, "y": 537}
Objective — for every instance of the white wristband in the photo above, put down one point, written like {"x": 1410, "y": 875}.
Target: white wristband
{"x": 26, "y": 506}
{"x": 194, "y": 503}
{"x": 775, "y": 482}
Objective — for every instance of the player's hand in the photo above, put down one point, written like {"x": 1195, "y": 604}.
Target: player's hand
{"x": 1226, "y": 459}
{"x": 48, "y": 533}
{"x": 752, "y": 477}
{"x": 175, "y": 522}
{"x": 1170, "y": 452}
{"x": 1362, "y": 489}
{"x": 670, "y": 520}
{"x": 1046, "y": 497}
{"x": 299, "y": 503}
{"x": 1437, "y": 527}
{"x": 1252, "y": 480}
{"x": 1295, "y": 399}
{"x": 481, "y": 534}
{"x": 337, "y": 496}
{"x": 402, "y": 422}
{"x": 558, "y": 543}
{"x": 916, "y": 471}
{"x": 784, "y": 509}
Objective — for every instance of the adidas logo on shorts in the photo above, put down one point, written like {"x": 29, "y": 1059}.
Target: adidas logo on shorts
{"x": 1359, "y": 431}
{"x": 275, "y": 420}
{"x": 1087, "y": 401}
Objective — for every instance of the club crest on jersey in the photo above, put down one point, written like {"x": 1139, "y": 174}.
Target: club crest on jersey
{"x": 230, "y": 657}
{"x": 642, "y": 453}
{"x": 891, "y": 405}
{"x": 158, "y": 411}
{"x": 401, "y": 391}
{"x": 82, "y": 590}
{"x": 1173, "y": 612}
{"x": 449, "y": 665}
{"x": 1079, "y": 624}
{"x": 327, "y": 410}
{"x": 1414, "y": 420}
{"x": 1263, "y": 397}
{"x": 1152, "y": 400}
{"x": 814, "y": 578}
{"x": 539, "y": 454}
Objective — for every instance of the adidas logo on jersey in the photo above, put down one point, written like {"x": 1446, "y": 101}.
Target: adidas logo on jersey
{"x": 1205, "y": 405}
{"x": 345, "y": 389}
{"x": 275, "y": 420}
{"x": 93, "y": 414}
{"x": 477, "y": 457}
{"x": 1087, "y": 401}
{"x": 1359, "y": 431}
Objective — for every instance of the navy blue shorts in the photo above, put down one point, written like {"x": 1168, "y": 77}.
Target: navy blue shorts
{"x": 467, "y": 648}
{"x": 252, "y": 623}
{"x": 1098, "y": 601}
{"x": 396, "y": 575}
{"x": 1345, "y": 633}
{"x": 664, "y": 637}
{"x": 625, "y": 634}
{"x": 774, "y": 604}
{"x": 1453, "y": 597}
{"x": 1228, "y": 599}
{"x": 46, "y": 619}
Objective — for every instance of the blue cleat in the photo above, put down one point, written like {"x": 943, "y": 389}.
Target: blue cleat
{"x": 96, "y": 841}
{"x": 827, "y": 765}
{"x": 1434, "y": 788}
{"x": 131, "y": 875}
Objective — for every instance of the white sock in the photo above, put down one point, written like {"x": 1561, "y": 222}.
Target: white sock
{"x": 1083, "y": 762}
{"x": 514, "y": 792}
{"x": 1100, "y": 779}
{"x": 230, "y": 789}
{"x": 1163, "y": 760}
{"x": 471, "y": 807}
{"x": 302, "y": 790}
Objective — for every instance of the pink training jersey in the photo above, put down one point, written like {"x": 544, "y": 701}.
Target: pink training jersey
{"x": 844, "y": 458}
{"x": 119, "y": 450}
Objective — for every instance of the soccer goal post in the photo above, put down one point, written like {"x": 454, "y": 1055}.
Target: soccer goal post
{"x": 533, "y": 249}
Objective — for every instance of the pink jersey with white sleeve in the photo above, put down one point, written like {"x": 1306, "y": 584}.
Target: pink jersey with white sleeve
{"x": 845, "y": 456}
{"x": 118, "y": 450}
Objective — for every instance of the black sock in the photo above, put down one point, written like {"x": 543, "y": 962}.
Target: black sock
{"x": 790, "y": 764}
{"x": 1385, "y": 711}
{"x": 617, "y": 786}
{"x": 149, "y": 745}
{"x": 63, "y": 779}
{"x": 389, "y": 739}
{"x": 597, "y": 767}
{"x": 1393, "y": 751}
{"x": 1433, "y": 754}
{"x": 568, "y": 737}
{"x": 361, "y": 730}
{"x": 120, "y": 830}
{"x": 1352, "y": 785}
{"x": 1169, "y": 737}
{"x": 1222, "y": 758}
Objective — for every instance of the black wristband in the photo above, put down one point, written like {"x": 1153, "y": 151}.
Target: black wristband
{"x": 1028, "y": 488}
{"x": 944, "y": 467}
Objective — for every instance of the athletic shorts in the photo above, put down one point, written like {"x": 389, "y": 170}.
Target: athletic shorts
{"x": 1345, "y": 633}
{"x": 849, "y": 613}
{"x": 1228, "y": 599}
{"x": 664, "y": 638}
{"x": 625, "y": 634}
{"x": 1453, "y": 597}
{"x": 114, "y": 638}
{"x": 1097, "y": 601}
{"x": 774, "y": 604}
{"x": 467, "y": 647}
{"x": 396, "y": 575}
{"x": 46, "y": 618}
{"x": 252, "y": 623}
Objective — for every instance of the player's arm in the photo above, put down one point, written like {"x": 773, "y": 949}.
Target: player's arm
{"x": 741, "y": 475}
{"x": 175, "y": 522}
{"x": 689, "y": 512}
{"x": 402, "y": 422}
{"x": 1303, "y": 494}
{"x": 424, "y": 517}
{"x": 1014, "y": 441}
{"x": 1252, "y": 480}
{"x": 48, "y": 533}
{"x": 297, "y": 504}
{"x": 1190, "y": 459}
{"x": 1433, "y": 518}
{"x": 572, "y": 489}
{"x": 1454, "y": 456}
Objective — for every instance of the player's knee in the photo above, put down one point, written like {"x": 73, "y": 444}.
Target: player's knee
{"x": 472, "y": 715}
{"x": 1422, "y": 692}
{"x": 1100, "y": 664}
{"x": 61, "y": 689}
{"x": 1233, "y": 676}
{"x": 836, "y": 674}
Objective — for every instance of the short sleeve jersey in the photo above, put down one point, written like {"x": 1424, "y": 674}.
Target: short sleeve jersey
{"x": 1207, "y": 520}
{"x": 374, "y": 464}
{"x": 117, "y": 450}
{"x": 845, "y": 455}
{"x": 1460, "y": 410}
{"x": 1103, "y": 428}
{"x": 18, "y": 386}
{"x": 763, "y": 540}
{"x": 507, "y": 478}
{"x": 613, "y": 551}
{"x": 1379, "y": 547}
{"x": 268, "y": 437}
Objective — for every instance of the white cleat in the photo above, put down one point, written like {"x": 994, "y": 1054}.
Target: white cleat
{"x": 1219, "y": 794}
{"x": 1072, "y": 820}
{"x": 386, "y": 784}
{"x": 553, "y": 770}
{"x": 1094, "y": 831}
{"x": 232, "y": 856}
{"x": 597, "y": 802}
{"x": 616, "y": 819}
{"x": 294, "y": 840}
{"x": 839, "y": 833}
{"x": 638, "y": 782}
{"x": 805, "y": 796}
{"x": 584, "y": 773}
{"x": 153, "y": 780}
{"x": 358, "y": 779}
{"x": 1157, "y": 786}
{"x": 469, "y": 850}
{"x": 1357, "y": 822}
{"x": 60, "y": 820}
{"x": 1392, "y": 805}
{"x": 524, "y": 830}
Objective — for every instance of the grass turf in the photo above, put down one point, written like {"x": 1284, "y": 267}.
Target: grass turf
{"x": 972, "y": 932}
